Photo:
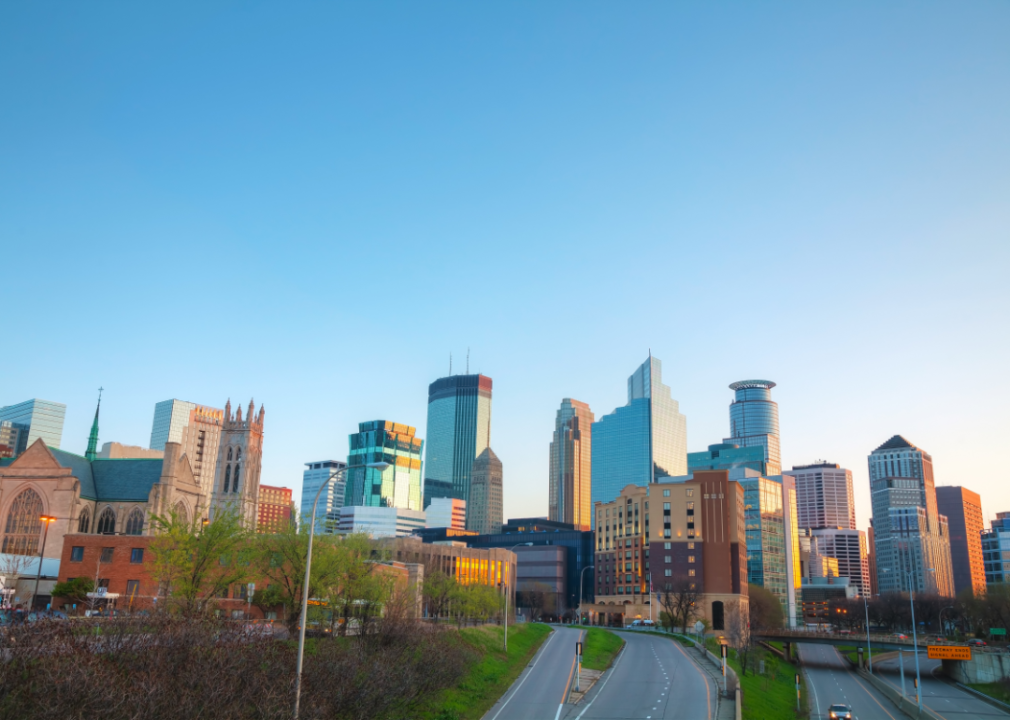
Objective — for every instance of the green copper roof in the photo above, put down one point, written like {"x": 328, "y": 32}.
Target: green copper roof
{"x": 121, "y": 480}
{"x": 92, "y": 450}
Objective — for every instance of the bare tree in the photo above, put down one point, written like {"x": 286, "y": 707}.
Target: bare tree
{"x": 680, "y": 604}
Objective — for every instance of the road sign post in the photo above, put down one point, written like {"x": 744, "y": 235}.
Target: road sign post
{"x": 797, "y": 692}
{"x": 948, "y": 652}
{"x": 725, "y": 690}
{"x": 578, "y": 661}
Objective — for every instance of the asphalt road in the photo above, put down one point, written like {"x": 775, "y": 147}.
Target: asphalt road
{"x": 941, "y": 697}
{"x": 652, "y": 678}
{"x": 539, "y": 692}
{"x": 830, "y": 681}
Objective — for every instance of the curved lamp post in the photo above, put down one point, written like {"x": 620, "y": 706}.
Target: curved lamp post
{"x": 47, "y": 519}
{"x": 506, "y": 618}
{"x": 582, "y": 581}
{"x": 869, "y": 650}
{"x": 380, "y": 466}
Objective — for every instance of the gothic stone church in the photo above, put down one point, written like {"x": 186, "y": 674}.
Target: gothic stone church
{"x": 120, "y": 496}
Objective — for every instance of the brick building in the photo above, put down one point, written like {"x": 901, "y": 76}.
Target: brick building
{"x": 274, "y": 509}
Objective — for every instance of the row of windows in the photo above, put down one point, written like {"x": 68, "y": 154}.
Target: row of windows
{"x": 77, "y": 554}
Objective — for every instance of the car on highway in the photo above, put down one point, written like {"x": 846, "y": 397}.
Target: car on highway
{"x": 899, "y": 636}
{"x": 976, "y": 642}
{"x": 840, "y": 712}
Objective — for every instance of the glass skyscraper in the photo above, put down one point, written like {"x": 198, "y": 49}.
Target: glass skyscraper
{"x": 641, "y": 442}
{"x": 570, "y": 474}
{"x": 459, "y": 429}
{"x": 44, "y": 419}
{"x": 399, "y": 485}
{"x": 332, "y": 499}
{"x": 754, "y": 421}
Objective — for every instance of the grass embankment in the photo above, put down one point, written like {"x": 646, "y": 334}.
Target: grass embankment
{"x": 998, "y": 690}
{"x": 600, "y": 648}
{"x": 488, "y": 679}
{"x": 768, "y": 695}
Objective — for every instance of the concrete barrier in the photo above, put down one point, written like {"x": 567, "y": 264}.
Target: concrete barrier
{"x": 984, "y": 667}
{"x": 904, "y": 704}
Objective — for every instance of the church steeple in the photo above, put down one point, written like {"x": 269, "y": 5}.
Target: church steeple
{"x": 92, "y": 450}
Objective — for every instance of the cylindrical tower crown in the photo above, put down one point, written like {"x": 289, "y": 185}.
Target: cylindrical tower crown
{"x": 753, "y": 412}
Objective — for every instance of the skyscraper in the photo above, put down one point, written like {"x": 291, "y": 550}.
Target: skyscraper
{"x": 484, "y": 513}
{"x": 963, "y": 509}
{"x": 399, "y": 485}
{"x": 642, "y": 441}
{"x": 459, "y": 429}
{"x": 43, "y": 419}
{"x": 824, "y": 496}
{"x": 197, "y": 428}
{"x": 332, "y": 499}
{"x": 570, "y": 468}
{"x": 911, "y": 536}
{"x": 754, "y": 421}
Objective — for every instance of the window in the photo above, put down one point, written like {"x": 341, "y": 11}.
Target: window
{"x": 106, "y": 522}
{"x": 690, "y": 546}
{"x": 227, "y": 473}
{"x": 103, "y": 583}
{"x": 667, "y": 546}
{"x": 106, "y": 555}
{"x": 666, "y": 506}
{"x": 690, "y": 573}
{"x": 690, "y": 492}
{"x": 690, "y": 558}
{"x": 135, "y": 523}
{"x": 181, "y": 513}
{"x": 669, "y": 558}
{"x": 229, "y": 456}
{"x": 136, "y": 555}
{"x": 84, "y": 524}
{"x": 666, "y": 493}
{"x": 76, "y": 554}
{"x": 238, "y": 453}
{"x": 666, "y": 532}
{"x": 24, "y": 529}
{"x": 234, "y": 486}
{"x": 132, "y": 589}
{"x": 668, "y": 573}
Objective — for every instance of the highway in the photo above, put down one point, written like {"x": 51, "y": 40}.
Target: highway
{"x": 941, "y": 697}
{"x": 830, "y": 681}
{"x": 652, "y": 678}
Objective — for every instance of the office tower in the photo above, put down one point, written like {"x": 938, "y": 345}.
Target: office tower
{"x": 847, "y": 548}
{"x": 446, "y": 513}
{"x": 484, "y": 513}
{"x": 12, "y": 437}
{"x": 754, "y": 421}
{"x": 995, "y": 543}
{"x": 963, "y": 510}
{"x": 871, "y": 559}
{"x": 459, "y": 429}
{"x": 332, "y": 499}
{"x": 641, "y": 442}
{"x": 239, "y": 460}
{"x": 44, "y": 419}
{"x": 197, "y": 428}
{"x": 570, "y": 473}
{"x": 118, "y": 451}
{"x": 274, "y": 509}
{"x": 380, "y": 522}
{"x": 773, "y": 545}
{"x": 399, "y": 485}
{"x": 727, "y": 456}
{"x": 824, "y": 497}
{"x": 911, "y": 535}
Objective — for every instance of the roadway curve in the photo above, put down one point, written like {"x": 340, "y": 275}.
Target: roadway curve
{"x": 652, "y": 678}
{"x": 830, "y": 681}
{"x": 940, "y": 696}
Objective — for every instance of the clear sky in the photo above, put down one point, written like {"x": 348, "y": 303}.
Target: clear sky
{"x": 314, "y": 204}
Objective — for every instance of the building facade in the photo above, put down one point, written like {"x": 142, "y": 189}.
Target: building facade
{"x": 197, "y": 428}
{"x": 239, "y": 460}
{"x": 275, "y": 509}
{"x": 727, "y": 456}
{"x": 773, "y": 549}
{"x": 688, "y": 531}
{"x": 911, "y": 537}
{"x": 398, "y": 485}
{"x": 459, "y": 429}
{"x": 754, "y": 421}
{"x": 963, "y": 510}
{"x": 824, "y": 496}
{"x": 118, "y": 451}
{"x": 570, "y": 473}
{"x": 996, "y": 548}
{"x": 484, "y": 511}
{"x": 446, "y": 513}
{"x": 42, "y": 418}
{"x": 380, "y": 522}
{"x": 848, "y": 549}
{"x": 641, "y": 442}
{"x": 332, "y": 499}
{"x": 12, "y": 437}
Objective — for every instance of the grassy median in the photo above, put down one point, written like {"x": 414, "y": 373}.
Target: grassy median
{"x": 599, "y": 649}
{"x": 490, "y": 677}
{"x": 997, "y": 690}
{"x": 771, "y": 694}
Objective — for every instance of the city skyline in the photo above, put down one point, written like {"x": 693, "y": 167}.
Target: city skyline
{"x": 499, "y": 161}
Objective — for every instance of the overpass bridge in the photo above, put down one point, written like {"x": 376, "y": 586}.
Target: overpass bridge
{"x": 854, "y": 639}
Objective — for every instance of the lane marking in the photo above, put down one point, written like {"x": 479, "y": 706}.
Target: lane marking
{"x": 605, "y": 681}
{"x": 704, "y": 676}
{"x": 568, "y": 684}
{"x": 529, "y": 672}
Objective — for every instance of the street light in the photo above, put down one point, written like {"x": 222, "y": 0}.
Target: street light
{"x": 869, "y": 650}
{"x": 380, "y": 466}
{"x": 582, "y": 580}
{"x": 505, "y": 619}
{"x": 915, "y": 642}
{"x": 38, "y": 576}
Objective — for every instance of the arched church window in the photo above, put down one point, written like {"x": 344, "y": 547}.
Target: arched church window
{"x": 234, "y": 487}
{"x": 135, "y": 523}
{"x": 106, "y": 522}
{"x": 238, "y": 453}
{"x": 24, "y": 528}
{"x": 180, "y": 512}
{"x": 84, "y": 524}
{"x": 227, "y": 474}
{"x": 229, "y": 454}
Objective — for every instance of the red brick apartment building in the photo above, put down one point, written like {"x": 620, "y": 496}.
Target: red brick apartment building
{"x": 274, "y": 509}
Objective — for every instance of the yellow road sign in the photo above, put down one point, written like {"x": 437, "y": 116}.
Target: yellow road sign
{"x": 948, "y": 652}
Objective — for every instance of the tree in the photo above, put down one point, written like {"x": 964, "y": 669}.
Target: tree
{"x": 765, "y": 609}
{"x": 438, "y": 591}
{"x": 194, "y": 564}
{"x": 76, "y": 590}
{"x": 537, "y": 597}
{"x": 738, "y": 628}
{"x": 680, "y": 604}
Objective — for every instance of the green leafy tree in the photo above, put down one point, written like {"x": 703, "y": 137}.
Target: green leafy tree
{"x": 195, "y": 563}
{"x": 76, "y": 590}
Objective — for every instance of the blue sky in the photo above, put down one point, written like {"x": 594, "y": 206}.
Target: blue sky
{"x": 315, "y": 203}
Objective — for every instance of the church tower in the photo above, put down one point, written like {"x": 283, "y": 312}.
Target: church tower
{"x": 237, "y": 478}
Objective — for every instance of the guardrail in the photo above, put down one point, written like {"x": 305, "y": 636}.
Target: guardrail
{"x": 858, "y": 639}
